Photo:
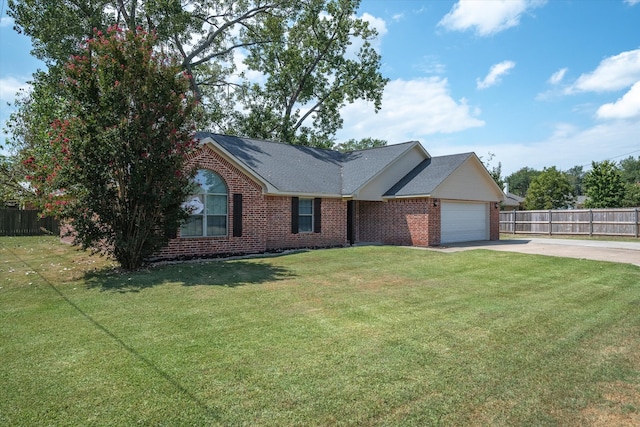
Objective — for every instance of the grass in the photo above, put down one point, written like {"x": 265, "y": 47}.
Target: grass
{"x": 354, "y": 336}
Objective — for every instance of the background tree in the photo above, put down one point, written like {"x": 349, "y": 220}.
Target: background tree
{"x": 630, "y": 170}
{"x": 520, "y": 180}
{"x": 631, "y": 195}
{"x": 603, "y": 186}
{"x": 115, "y": 162}
{"x": 630, "y": 173}
{"x": 28, "y": 128}
{"x": 494, "y": 171}
{"x": 551, "y": 189}
{"x": 13, "y": 187}
{"x": 576, "y": 176}
{"x": 362, "y": 144}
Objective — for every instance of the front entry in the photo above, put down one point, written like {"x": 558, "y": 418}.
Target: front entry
{"x": 351, "y": 217}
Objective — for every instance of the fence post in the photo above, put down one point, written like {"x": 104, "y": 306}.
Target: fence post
{"x": 550, "y": 224}
{"x": 514, "y": 220}
{"x": 637, "y": 224}
{"x": 590, "y": 222}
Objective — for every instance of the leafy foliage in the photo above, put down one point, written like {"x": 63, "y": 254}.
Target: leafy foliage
{"x": 299, "y": 49}
{"x": 604, "y": 186}
{"x": 576, "y": 177}
{"x": 551, "y": 189}
{"x": 630, "y": 170}
{"x": 115, "y": 160}
{"x": 362, "y": 144}
{"x": 520, "y": 180}
{"x": 631, "y": 195}
{"x": 494, "y": 171}
{"x": 310, "y": 74}
{"x": 13, "y": 188}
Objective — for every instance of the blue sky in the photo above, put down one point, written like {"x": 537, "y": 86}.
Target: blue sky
{"x": 537, "y": 83}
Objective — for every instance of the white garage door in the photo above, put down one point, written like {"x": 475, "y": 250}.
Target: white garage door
{"x": 464, "y": 222}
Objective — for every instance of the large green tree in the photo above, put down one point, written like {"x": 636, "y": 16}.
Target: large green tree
{"x": 115, "y": 160}
{"x": 298, "y": 47}
{"x": 551, "y": 189}
{"x": 604, "y": 186}
{"x": 310, "y": 74}
{"x": 520, "y": 180}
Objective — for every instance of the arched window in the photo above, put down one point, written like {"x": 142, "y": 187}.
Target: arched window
{"x": 208, "y": 207}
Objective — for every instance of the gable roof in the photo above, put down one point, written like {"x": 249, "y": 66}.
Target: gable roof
{"x": 284, "y": 167}
{"x": 293, "y": 169}
{"x": 427, "y": 176}
{"x": 360, "y": 167}
{"x": 511, "y": 199}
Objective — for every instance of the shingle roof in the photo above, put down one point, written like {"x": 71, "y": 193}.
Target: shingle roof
{"x": 305, "y": 170}
{"x": 511, "y": 199}
{"x": 425, "y": 177}
{"x": 362, "y": 165}
{"x": 289, "y": 168}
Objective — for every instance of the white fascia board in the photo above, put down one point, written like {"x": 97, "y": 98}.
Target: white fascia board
{"x": 411, "y": 196}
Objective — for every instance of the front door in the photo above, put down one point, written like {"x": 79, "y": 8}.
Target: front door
{"x": 351, "y": 230}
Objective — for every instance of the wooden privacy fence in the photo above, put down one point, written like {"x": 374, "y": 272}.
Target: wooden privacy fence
{"x": 589, "y": 222}
{"x": 16, "y": 222}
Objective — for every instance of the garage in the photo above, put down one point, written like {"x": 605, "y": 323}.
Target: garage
{"x": 464, "y": 222}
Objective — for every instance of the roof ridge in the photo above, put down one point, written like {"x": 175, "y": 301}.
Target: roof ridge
{"x": 271, "y": 141}
{"x": 385, "y": 146}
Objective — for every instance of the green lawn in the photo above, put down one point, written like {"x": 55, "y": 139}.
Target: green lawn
{"x": 354, "y": 336}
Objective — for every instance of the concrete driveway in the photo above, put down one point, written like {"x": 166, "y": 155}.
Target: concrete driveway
{"x": 622, "y": 252}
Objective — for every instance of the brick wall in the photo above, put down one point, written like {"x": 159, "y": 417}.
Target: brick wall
{"x": 254, "y": 219}
{"x": 266, "y": 220}
{"x": 413, "y": 222}
{"x": 278, "y": 232}
{"x": 494, "y": 221}
{"x": 435, "y": 223}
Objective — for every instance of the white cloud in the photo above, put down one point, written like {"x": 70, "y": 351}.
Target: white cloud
{"x": 379, "y": 24}
{"x": 613, "y": 73}
{"x": 557, "y": 77}
{"x": 410, "y": 110}
{"x": 632, "y": 2}
{"x": 9, "y": 86}
{"x": 431, "y": 64}
{"x": 5, "y": 21}
{"x": 624, "y": 108}
{"x": 487, "y": 17}
{"x": 495, "y": 73}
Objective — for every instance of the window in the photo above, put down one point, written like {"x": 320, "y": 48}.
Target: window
{"x": 208, "y": 207}
{"x": 306, "y": 215}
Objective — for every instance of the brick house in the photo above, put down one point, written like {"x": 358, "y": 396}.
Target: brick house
{"x": 255, "y": 196}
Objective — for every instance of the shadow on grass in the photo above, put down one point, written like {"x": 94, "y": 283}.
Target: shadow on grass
{"x": 214, "y": 273}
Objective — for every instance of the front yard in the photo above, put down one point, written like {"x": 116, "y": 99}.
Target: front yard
{"x": 354, "y": 336}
